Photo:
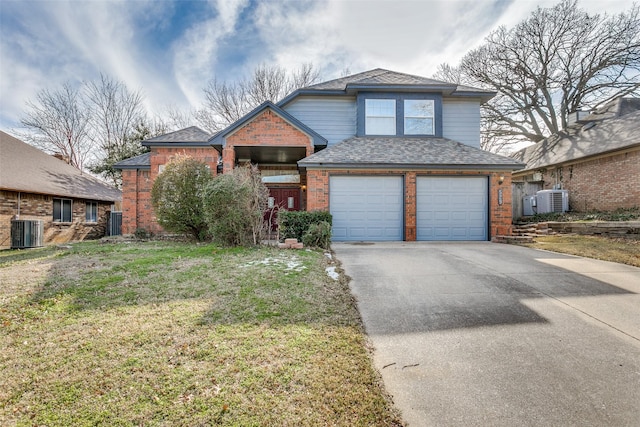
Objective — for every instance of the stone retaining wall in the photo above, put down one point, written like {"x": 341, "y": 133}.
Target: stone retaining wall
{"x": 629, "y": 229}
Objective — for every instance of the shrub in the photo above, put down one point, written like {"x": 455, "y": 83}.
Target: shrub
{"x": 176, "y": 196}
{"x": 234, "y": 207}
{"x": 294, "y": 224}
{"x": 318, "y": 235}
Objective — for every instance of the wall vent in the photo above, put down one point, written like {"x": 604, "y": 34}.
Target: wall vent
{"x": 26, "y": 233}
{"x": 552, "y": 201}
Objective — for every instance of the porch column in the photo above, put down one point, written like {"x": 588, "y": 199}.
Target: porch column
{"x": 228, "y": 158}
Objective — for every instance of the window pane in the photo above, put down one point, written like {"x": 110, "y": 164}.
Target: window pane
{"x": 416, "y": 126}
{"x": 57, "y": 210}
{"x": 91, "y": 212}
{"x": 418, "y": 108}
{"x": 381, "y": 107}
{"x": 380, "y": 126}
{"x": 66, "y": 211}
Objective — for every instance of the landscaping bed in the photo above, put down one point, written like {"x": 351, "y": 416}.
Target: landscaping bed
{"x": 168, "y": 333}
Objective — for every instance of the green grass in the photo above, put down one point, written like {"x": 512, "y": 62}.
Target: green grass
{"x": 162, "y": 333}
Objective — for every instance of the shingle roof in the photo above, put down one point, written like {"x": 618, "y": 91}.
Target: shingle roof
{"x": 386, "y": 80}
{"x": 378, "y": 76}
{"x": 610, "y": 129}
{"x": 191, "y": 134}
{"x": 416, "y": 152}
{"x": 25, "y": 168}
{"x": 143, "y": 161}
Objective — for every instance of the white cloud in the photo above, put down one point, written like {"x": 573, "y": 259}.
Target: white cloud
{"x": 195, "y": 52}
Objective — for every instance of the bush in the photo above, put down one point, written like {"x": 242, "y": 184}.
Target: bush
{"x": 318, "y": 235}
{"x": 176, "y": 196}
{"x": 234, "y": 207}
{"x": 294, "y": 224}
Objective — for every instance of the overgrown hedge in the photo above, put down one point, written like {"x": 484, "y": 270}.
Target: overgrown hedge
{"x": 294, "y": 224}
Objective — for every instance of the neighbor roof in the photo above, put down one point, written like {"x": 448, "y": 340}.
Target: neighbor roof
{"x": 615, "y": 127}
{"x": 381, "y": 79}
{"x": 413, "y": 152}
{"x": 26, "y": 169}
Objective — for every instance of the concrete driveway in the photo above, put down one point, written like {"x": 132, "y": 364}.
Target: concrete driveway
{"x": 478, "y": 334}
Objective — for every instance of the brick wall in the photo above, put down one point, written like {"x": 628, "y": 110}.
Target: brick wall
{"x": 40, "y": 207}
{"x": 137, "y": 211}
{"x": 606, "y": 183}
{"x": 499, "y": 214}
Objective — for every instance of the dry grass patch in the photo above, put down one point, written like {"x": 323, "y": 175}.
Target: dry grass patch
{"x": 178, "y": 334}
{"x": 624, "y": 251}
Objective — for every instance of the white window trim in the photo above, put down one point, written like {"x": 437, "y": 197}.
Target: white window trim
{"x": 432, "y": 116}
{"x": 368, "y": 116}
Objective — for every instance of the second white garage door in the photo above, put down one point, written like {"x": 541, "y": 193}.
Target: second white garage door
{"x": 451, "y": 208}
{"x": 367, "y": 208}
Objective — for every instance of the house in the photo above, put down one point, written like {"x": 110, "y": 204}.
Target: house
{"x": 392, "y": 156}
{"x": 597, "y": 159}
{"x": 37, "y": 186}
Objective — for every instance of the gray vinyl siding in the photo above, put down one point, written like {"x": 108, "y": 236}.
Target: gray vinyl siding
{"x": 461, "y": 120}
{"x": 332, "y": 117}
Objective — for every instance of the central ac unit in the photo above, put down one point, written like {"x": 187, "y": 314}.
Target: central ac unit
{"x": 552, "y": 201}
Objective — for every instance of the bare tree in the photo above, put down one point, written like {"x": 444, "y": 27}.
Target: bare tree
{"x": 227, "y": 102}
{"x": 114, "y": 111}
{"x": 58, "y": 123}
{"x": 557, "y": 61}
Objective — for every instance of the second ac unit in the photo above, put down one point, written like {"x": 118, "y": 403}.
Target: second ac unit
{"x": 552, "y": 201}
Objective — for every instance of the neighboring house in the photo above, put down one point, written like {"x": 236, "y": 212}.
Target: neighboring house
{"x": 597, "y": 159}
{"x": 38, "y": 186}
{"x": 392, "y": 156}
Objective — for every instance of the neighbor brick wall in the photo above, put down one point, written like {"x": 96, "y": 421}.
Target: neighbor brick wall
{"x": 266, "y": 129}
{"x": 605, "y": 183}
{"x": 40, "y": 207}
{"x": 499, "y": 214}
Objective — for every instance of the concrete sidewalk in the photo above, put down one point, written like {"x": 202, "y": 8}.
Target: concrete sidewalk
{"x": 471, "y": 334}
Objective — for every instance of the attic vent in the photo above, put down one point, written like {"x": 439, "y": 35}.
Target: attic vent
{"x": 26, "y": 233}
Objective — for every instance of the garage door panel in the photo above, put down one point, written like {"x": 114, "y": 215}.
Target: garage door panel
{"x": 451, "y": 208}
{"x": 367, "y": 207}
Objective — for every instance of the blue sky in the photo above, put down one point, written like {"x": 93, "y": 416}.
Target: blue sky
{"x": 171, "y": 49}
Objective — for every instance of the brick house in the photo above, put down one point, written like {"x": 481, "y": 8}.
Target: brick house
{"x": 37, "y": 186}
{"x": 597, "y": 159}
{"x": 392, "y": 156}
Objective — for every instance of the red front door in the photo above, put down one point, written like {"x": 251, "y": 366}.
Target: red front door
{"x": 281, "y": 198}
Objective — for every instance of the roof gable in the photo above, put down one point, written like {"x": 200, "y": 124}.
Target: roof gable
{"x": 219, "y": 138}
{"x": 27, "y": 169}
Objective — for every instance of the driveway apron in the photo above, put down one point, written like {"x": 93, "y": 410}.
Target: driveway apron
{"x": 475, "y": 334}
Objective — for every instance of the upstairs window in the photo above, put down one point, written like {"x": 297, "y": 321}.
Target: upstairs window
{"x": 91, "y": 214}
{"x": 61, "y": 210}
{"x": 380, "y": 116}
{"x": 419, "y": 117}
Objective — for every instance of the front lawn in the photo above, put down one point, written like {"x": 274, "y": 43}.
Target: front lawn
{"x": 623, "y": 251}
{"x": 180, "y": 334}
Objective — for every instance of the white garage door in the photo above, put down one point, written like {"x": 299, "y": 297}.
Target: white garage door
{"x": 451, "y": 208}
{"x": 366, "y": 207}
